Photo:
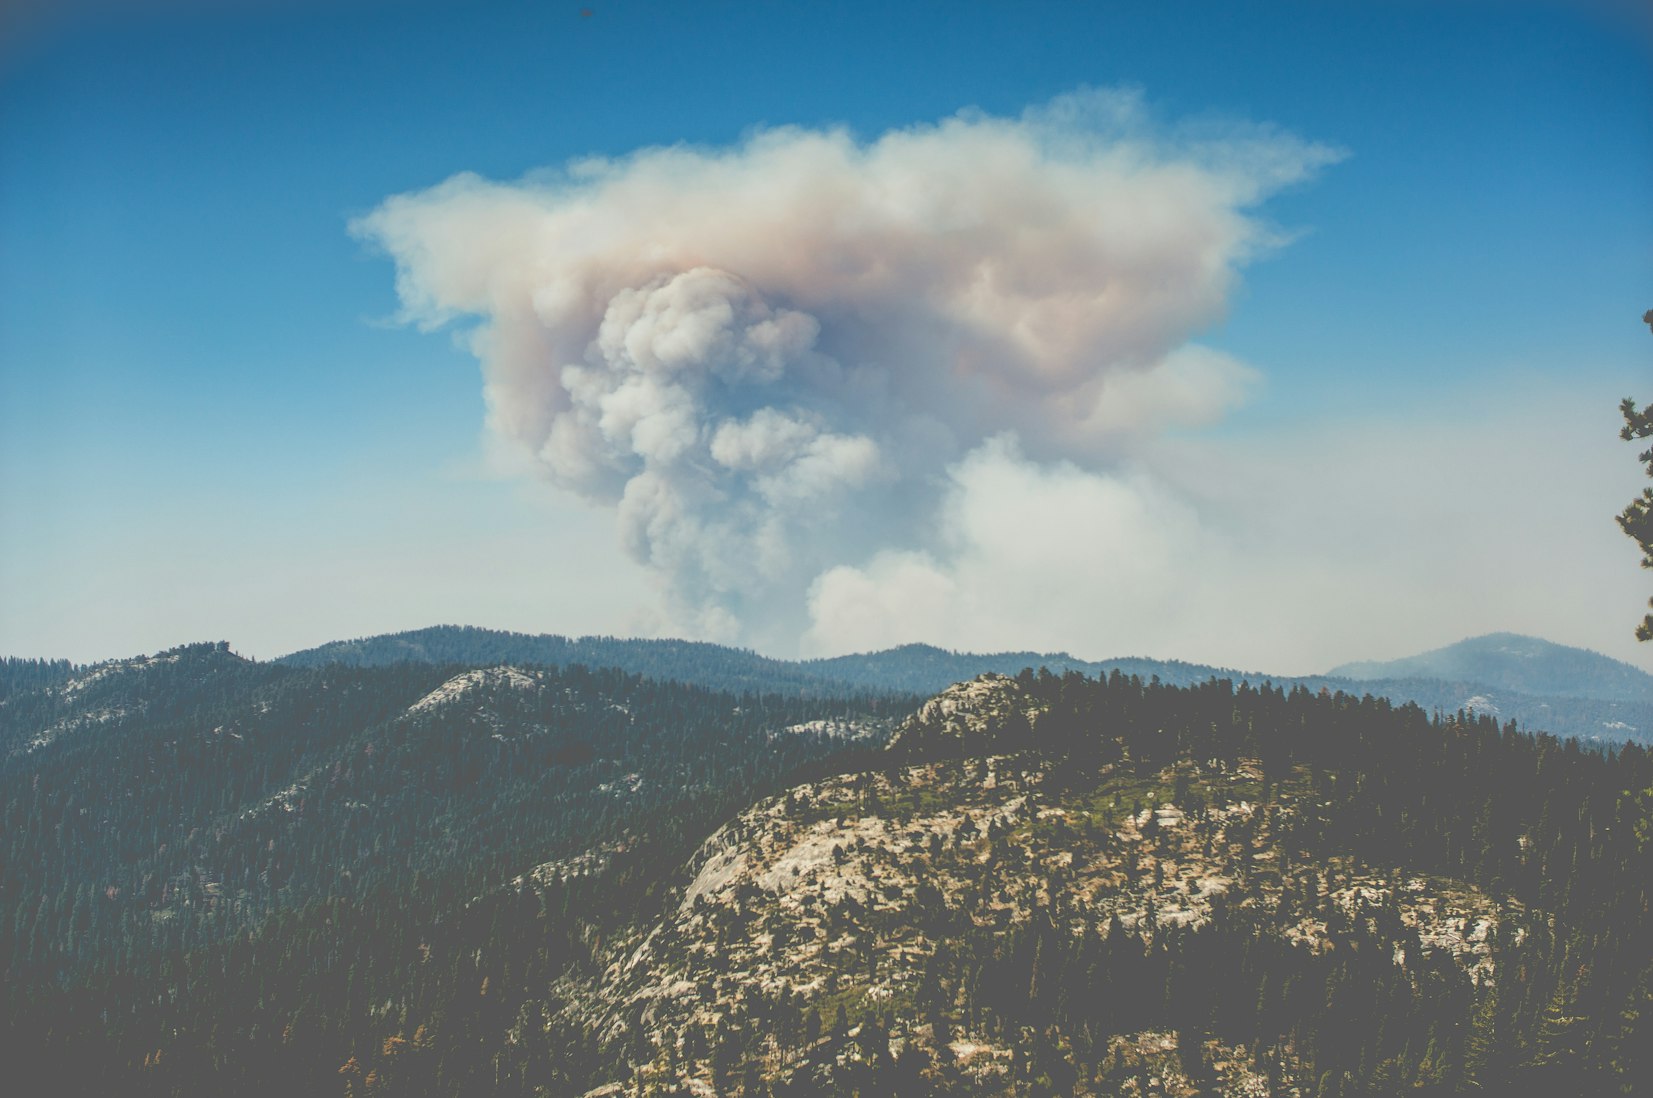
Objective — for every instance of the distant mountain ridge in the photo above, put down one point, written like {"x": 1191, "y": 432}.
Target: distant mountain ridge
{"x": 1539, "y": 685}
{"x": 714, "y": 666}
{"x": 909, "y": 668}
{"x": 925, "y": 669}
{"x": 1510, "y": 661}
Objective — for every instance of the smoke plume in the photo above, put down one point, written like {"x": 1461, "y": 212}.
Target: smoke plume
{"x": 773, "y": 359}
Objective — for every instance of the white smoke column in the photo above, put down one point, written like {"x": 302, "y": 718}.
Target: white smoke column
{"x": 767, "y": 357}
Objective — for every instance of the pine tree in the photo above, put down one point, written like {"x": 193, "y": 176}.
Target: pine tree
{"x": 1637, "y": 518}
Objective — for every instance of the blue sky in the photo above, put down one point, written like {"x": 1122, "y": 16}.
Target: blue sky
{"x": 212, "y": 427}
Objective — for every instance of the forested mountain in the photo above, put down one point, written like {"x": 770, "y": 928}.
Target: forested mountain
{"x": 910, "y": 668}
{"x": 156, "y": 812}
{"x": 19, "y": 675}
{"x": 1560, "y": 699}
{"x": 925, "y": 669}
{"x": 1508, "y": 661}
{"x": 225, "y": 877}
{"x": 710, "y": 665}
{"x": 1059, "y": 886}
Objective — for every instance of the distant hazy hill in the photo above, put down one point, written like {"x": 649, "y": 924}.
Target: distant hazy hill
{"x": 925, "y": 669}
{"x": 1508, "y": 661}
{"x": 911, "y": 668}
{"x": 711, "y": 665}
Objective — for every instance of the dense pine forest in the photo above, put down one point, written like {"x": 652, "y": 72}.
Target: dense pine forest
{"x": 201, "y": 852}
{"x": 224, "y": 877}
{"x": 18, "y": 676}
{"x": 1565, "y": 834}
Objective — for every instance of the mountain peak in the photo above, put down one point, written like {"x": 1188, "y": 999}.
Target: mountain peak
{"x": 962, "y": 716}
{"x": 1514, "y": 661}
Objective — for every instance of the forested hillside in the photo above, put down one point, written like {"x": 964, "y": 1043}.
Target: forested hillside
{"x": 1058, "y": 886}
{"x": 223, "y": 877}
{"x": 162, "y": 814}
{"x": 20, "y": 675}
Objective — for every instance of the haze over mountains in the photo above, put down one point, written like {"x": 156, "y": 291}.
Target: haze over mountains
{"x": 1540, "y": 685}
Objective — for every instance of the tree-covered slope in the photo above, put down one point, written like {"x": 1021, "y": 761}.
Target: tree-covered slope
{"x": 416, "y": 880}
{"x": 21, "y": 675}
{"x": 1056, "y": 886}
{"x": 165, "y": 808}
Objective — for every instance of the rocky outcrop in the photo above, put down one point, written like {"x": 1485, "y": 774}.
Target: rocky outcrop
{"x": 966, "y": 719}
{"x": 810, "y": 930}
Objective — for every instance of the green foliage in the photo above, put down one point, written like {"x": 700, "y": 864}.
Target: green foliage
{"x": 1636, "y": 520}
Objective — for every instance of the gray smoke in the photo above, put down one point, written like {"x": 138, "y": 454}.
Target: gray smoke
{"x": 772, "y": 359}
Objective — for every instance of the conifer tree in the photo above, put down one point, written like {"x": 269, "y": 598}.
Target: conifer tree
{"x": 1636, "y": 520}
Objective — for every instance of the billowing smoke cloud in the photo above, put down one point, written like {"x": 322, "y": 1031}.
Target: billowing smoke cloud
{"x": 773, "y": 359}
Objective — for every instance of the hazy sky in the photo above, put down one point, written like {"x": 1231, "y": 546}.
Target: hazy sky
{"x": 1270, "y": 335}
